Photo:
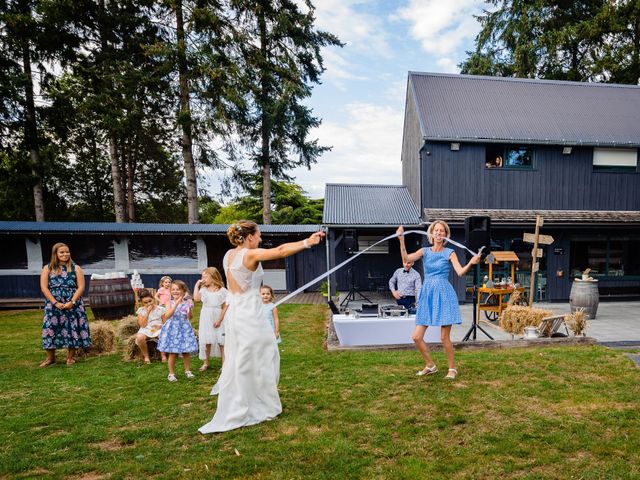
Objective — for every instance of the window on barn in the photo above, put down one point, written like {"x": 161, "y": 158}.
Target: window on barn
{"x": 518, "y": 157}
{"x": 613, "y": 256}
{"x": 615, "y": 160}
{"x": 365, "y": 242}
{"x": 88, "y": 251}
{"x": 501, "y": 156}
{"x": 162, "y": 252}
{"x": 14, "y": 253}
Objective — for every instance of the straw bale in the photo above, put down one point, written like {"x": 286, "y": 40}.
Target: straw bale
{"x": 515, "y": 318}
{"x": 132, "y": 351}
{"x": 515, "y": 298}
{"x": 127, "y": 326}
{"x": 576, "y": 321}
{"x": 103, "y": 337}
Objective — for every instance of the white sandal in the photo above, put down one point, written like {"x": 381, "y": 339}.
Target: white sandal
{"x": 451, "y": 374}
{"x": 427, "y": 371}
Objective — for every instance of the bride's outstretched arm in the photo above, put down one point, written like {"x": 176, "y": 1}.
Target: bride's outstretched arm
{"x": 255, "y": 255}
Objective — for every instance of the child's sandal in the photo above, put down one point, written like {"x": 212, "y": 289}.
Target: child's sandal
{"x": 451, "y": 374}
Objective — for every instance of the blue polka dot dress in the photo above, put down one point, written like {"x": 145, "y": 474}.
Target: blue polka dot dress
{"x": 438, "y": 302}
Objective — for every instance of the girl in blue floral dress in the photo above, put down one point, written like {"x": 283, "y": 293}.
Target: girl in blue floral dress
{"x": 177, "y": 335}
{"x": 437, "y": 302}
{"x": 65, "y": 322}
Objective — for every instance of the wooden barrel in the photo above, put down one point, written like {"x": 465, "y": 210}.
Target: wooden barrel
{"x": 584, "y": 294}
{"x": 111, "y": 299}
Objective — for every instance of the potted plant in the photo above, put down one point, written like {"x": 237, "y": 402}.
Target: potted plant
{"x": 324, "y": 289}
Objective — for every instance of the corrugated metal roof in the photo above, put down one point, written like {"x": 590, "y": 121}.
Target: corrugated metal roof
{"x": 551, "y": 217}
{"x": 141, "y": 228}
{"x": 511, "y": 110}
{"x": 353, "y": 204}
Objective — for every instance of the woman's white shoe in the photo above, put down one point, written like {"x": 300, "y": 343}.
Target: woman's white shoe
{"x": 427, "y": 371}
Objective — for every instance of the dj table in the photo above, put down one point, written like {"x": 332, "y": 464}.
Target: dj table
{"x": 354, "y": 331}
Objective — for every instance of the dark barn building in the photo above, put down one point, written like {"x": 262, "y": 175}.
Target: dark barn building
{"x": 355, "y": 218}
{"x": 514, "y": 148}
{"x": 179, "y": 250}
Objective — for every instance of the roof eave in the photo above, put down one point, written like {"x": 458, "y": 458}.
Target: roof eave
{"x": 532, "y": 141}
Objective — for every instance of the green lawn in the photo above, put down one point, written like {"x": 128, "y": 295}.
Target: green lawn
{"x": 523, "y": 413}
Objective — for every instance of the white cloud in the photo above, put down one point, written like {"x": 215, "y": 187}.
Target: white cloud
{"x": 366, "y": 149}
{"x": 362, "y": 32}
{"x": 442, "y": 27}
{"x": 447, "y": 65}
{"x": 338, "y": 68}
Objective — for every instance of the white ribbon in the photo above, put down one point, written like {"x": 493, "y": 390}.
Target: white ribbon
{"x": 352, "y": 258}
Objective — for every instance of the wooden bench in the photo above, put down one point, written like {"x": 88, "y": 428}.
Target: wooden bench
{"x": 551, "y": 325}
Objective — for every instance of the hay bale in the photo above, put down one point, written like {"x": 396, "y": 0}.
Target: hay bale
{"x": 103, "y": 337}
{"x": 127, "y": 326}
{"x": 132, "y": 351}
{"x": 516, "y": 298}
{"x": 576, "y": 321}
{"x": 515, "y": 318}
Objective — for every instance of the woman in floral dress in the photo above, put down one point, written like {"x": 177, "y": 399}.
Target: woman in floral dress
{"x": 65, "y": 322}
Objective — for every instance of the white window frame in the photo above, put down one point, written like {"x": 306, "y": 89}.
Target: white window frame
{"x": 365, "y": 241}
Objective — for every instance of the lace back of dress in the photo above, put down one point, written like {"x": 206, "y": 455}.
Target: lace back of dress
{"x": 242, "y": 275}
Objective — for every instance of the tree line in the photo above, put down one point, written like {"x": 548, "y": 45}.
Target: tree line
{"x": 592, "y": 40}
{"x": 110, "y": 110}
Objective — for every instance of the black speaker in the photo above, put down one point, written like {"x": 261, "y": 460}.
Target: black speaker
{"x": 350, "y": 241}
{"x": 477, "y": 233}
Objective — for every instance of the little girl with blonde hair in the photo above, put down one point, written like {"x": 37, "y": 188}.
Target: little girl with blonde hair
{"x": 211, "y": 292}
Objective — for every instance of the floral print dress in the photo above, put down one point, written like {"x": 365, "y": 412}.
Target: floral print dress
{"x": 64, "y": 328}
{"x": 177, "y": 335}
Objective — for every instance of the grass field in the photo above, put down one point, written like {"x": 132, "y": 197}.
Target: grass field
{"x": 524, "y": 413}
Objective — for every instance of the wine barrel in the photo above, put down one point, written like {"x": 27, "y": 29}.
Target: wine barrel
{"x": 111, "y": 299}
{"x": 584, "y": 294}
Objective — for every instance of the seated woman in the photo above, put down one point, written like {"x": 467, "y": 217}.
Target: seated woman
{"x": 150, "y": 318}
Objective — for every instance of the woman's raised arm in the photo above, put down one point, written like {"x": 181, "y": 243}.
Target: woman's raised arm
{"x": 256, "y": 255}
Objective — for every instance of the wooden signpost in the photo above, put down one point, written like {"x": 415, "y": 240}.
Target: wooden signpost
{"x": 536, "y": 238}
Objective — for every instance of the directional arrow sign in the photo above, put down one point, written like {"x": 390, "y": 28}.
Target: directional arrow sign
{"x": 543, "y": 239}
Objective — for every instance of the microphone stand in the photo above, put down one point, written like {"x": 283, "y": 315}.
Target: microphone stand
{"x": 474, "y": 324}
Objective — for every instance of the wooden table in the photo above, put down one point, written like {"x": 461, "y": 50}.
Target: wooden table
{"x": 494, "y": 300}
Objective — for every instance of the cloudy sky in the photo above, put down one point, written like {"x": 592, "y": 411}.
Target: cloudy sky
{"x": 361, "y": 99}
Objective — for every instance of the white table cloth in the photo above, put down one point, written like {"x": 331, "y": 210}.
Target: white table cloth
{"x": 354, "y": 331}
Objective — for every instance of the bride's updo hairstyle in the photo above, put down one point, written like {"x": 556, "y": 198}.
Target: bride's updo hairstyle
{"x": 239, "y": 230}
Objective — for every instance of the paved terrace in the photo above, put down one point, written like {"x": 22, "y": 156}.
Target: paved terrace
{"x": 615, "y": 323}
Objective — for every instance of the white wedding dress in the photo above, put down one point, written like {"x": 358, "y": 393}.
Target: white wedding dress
{"x": 248, "y": 385}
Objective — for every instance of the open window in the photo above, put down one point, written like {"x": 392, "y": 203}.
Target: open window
{"x": 501, "y": 156}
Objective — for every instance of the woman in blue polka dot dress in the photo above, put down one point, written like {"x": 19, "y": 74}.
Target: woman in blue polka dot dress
{"x": 438, "y": 302}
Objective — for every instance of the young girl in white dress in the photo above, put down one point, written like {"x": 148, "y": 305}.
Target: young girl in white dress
{"x": 211, "y": 292}
{"x": 248, "y": 385}
{"x": 270, "y": 310}
{"x": 150, "y": 319}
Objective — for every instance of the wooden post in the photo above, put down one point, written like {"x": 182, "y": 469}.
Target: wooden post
{"x": 535, "y": 265}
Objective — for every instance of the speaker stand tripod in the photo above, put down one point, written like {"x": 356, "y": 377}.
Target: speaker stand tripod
{"x": 353, "y": 291}
{"x": 474, "y": 324}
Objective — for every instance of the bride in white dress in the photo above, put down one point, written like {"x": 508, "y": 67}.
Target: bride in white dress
{"x": 248, "y": 385}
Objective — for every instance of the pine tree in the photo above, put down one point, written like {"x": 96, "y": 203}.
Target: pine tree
{"x": 281, "y": 60}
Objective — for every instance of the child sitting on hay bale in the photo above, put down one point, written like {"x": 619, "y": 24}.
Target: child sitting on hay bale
{"x": 150, "y": 319}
